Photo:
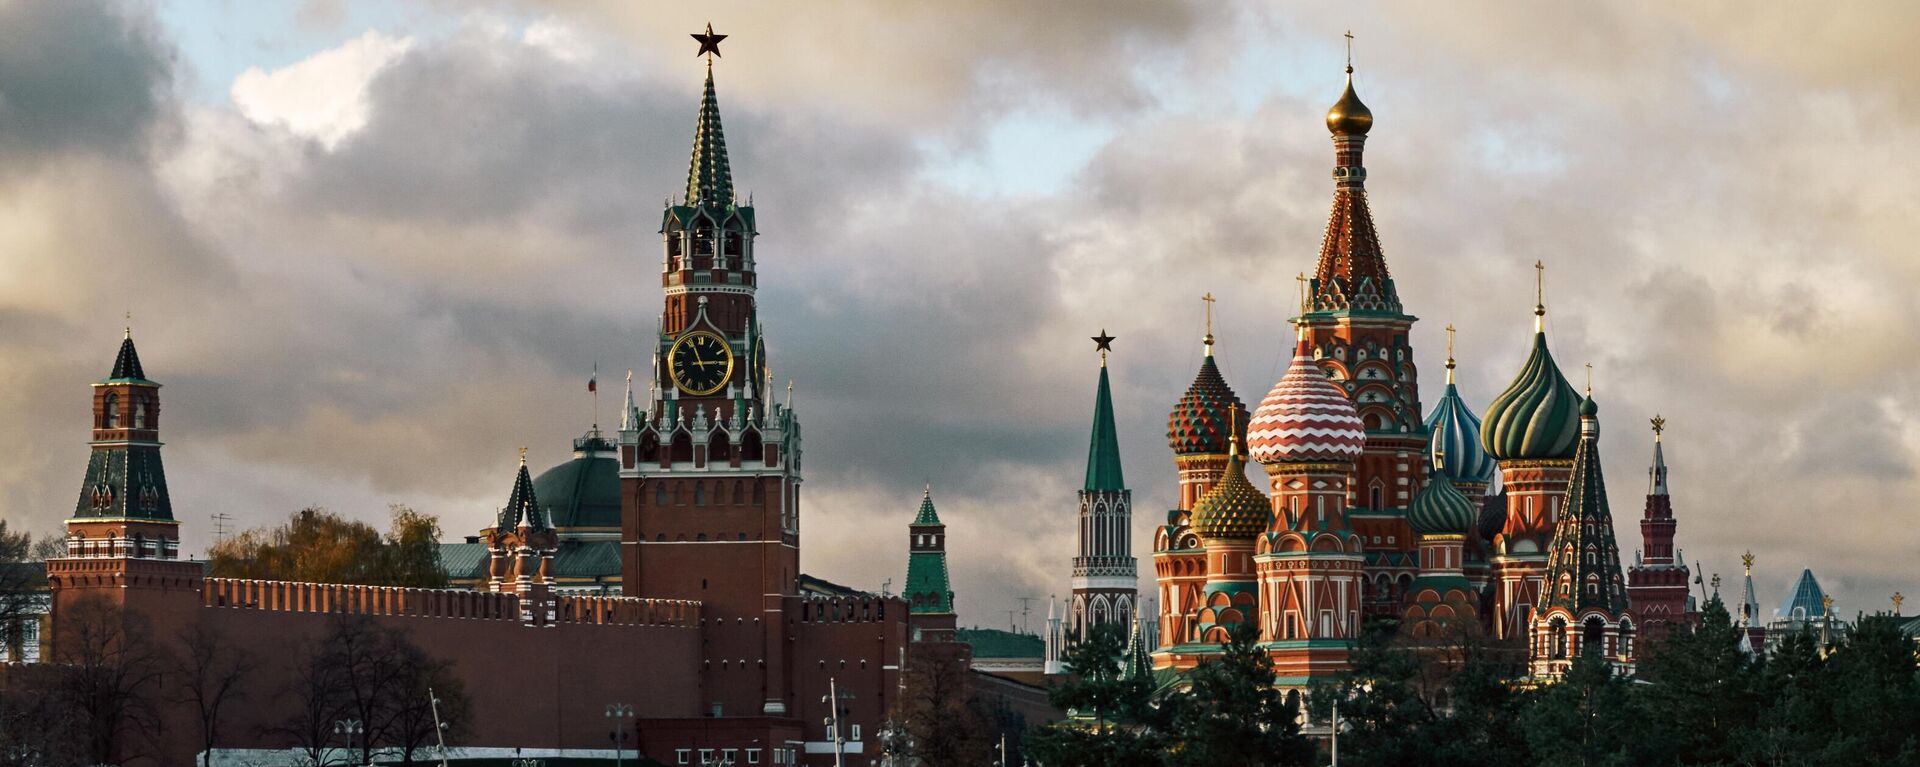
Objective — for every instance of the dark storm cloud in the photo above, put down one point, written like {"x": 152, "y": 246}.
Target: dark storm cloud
{"x": 78, "y": 78}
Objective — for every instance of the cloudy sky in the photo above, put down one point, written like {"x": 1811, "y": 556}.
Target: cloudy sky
{"x": 372, "y": 249}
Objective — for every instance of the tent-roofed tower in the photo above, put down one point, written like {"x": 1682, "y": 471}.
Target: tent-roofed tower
{"x": 1200, "y": 430}
{"x": 1657, "y": 581}
{"x": 928, "y": 592}
{"x": 1532, "y": 429}
{"x": 1360, "y": 336}
{"x": 520, "y": 550}
{"x": 1584, "y": 608}
{"x": 1104, "y": 569}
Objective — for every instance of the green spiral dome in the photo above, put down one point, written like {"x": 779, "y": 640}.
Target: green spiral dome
{"x": 1538, "y": 416}
{"x": 1440, "y": 509}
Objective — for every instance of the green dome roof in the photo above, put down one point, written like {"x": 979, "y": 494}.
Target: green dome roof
{"x": 1440, "y": 509}
{"x": 584, "y": 491}
{"x": 1538, "y": 416}
{"x": 1234, "y": 509}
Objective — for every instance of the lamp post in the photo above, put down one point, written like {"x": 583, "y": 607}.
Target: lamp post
{"x": 349, "y": 728}
{"x": 439, "y": 727}
{"x": 836, "y": 710}
{"x": 617, "y": 714}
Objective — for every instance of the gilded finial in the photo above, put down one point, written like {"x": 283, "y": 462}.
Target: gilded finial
{"x": 1589, "y": 380}
{"x": 523, "y": 456}
{"x": 1746, "y": 560}
{"x": 709, "y": 44}
{"x": 1449, "y": 354}
{"x": 129, "y": 325}
{"x": 1716, "y": 583}
{"x": 1897, "y": 599}
{"x": 1103, "y": 343}
{"x": 1233, "y": 429}
{"x": 1300, "y": 324}
{"x": 1659, "y": 425}
{"x": 1349, "y": 51}
{"x": 1539, "y": 296}
{"x": 1826, "y": 604}
{"x": 1209, "y": 299}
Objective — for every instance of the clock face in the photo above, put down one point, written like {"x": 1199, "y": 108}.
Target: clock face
{"x": 700, "y": 362}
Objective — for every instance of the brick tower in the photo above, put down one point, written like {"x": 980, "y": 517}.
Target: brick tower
{"x": 928, "y": 593}
{"x": 1532, "y": 429}
{"x": 1208, "y": 417}
{"x": 1584, "y": 607}
{"x": 710, "y": 467}
{"x": 1311, "y": 559}
{"x": 122, "y": 536}
{"x": 1104, "y": 571}
{"x": 520, "y": 549}
{"x": 1657, "y": 581}
{"x": 1359, "y": 336}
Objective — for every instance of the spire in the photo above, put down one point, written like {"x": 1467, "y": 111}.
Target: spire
{"x": 709, "y": 178}
{"x": 522, "y": 507}
{"x": 1103, "y": 455}
{"x": 1583, "y": 562}
{"x": 1657, "y": 473}
{"x": 629, "y": 414}
{"x": 1199, "y": 423}
{"x": 927, "y": 516}
{"x": 1749, "y": 602}
{"x": 126, "y": 366}
{"x": 1352, "y": 272}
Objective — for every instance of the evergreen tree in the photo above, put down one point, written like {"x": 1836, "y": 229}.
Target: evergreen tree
{"x": 1111, "y": 714}
{"x": 1230, "y": 713}
{"x": 1382, "y": 718}
{"x": 1583, "y": 718}
{"x": 1794, "y": 720}
{"x": 1874, "y": 696}
{"x": 1699, "y": 688}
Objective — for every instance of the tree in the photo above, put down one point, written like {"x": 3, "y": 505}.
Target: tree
{"x": 314, "y": 687}
{"x": 36, "y": 728}
{"x": 111, "y": 673}
{"x": 369, "y": 661}
{"x": 941, "y": 714}
{"x": 1113, "y": 713}
{"x": 1230, "y": 713}
{"x": 1697, "y": 689}
{"x": 1874, "y": 695}
{"x": 317, "y": 546}
{"x": 21, "y": 596}
{"x": 422, "y": 681}
{"x": 1382, "y": 713}
{"x": 212, "y": 678}
{"x": 1583, "y": 718}
{"x": 1795, "y": 718}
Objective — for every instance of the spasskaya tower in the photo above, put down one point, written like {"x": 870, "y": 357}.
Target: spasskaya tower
{"x": 710, "y": 465}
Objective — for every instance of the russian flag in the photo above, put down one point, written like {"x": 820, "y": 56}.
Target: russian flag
{"x": 593, "y": 382}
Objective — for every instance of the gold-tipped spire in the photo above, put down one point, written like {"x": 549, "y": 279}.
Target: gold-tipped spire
{"x": 1897, "y": 599}
{"x": 1589, "y": 380}
{"x": 1233, "y": 432}
{"x": 1539, "y": 297}
{"x": 1449, "y": 354}
{"x": 1103, "y": 343}
{"x": 523, "y": 456}
{"x": 1746, "y": 560}
{"x": 1208, "y": 340}
{"x": 1300, "y": 325}
{"x": 1659, "y": 425}
{"x": 1349, "y": 117}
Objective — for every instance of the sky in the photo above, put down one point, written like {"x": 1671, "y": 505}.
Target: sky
{"x": 371, "y": 249}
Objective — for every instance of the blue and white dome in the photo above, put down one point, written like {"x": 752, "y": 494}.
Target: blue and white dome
{"x": 1454, "y": 431}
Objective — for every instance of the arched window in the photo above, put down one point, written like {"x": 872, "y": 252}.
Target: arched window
{"x": 750, "y": 448}
{"x": 660, "y": 494}
{"x": 140, "y": 414}
{"x": 1559, "y": 630}
{"x": 1626, "y": 639}
{"x": 739, "y": 491}
{"x": 682, "y": 448}
{"x": 699, "y": 493}
{"x": 719, "y": 447}
{"x": 1592, "y": 636}
{"x": 650, "y": 448}
{"x": 759, "y": 492}
{"x": 112, "y": 415}
{"x": 1376, "y": 496}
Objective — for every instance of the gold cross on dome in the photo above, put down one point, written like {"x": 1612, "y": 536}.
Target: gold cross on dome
{"x": 1209, "y": 299}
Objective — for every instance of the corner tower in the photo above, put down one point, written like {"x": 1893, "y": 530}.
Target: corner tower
{"x": 928, "y": 593}
{"x": 1584, "y": 606}
{"x": 1104, "y": 571}
{"x": 1358, "y": 334}
{"x": 710, "y": 464}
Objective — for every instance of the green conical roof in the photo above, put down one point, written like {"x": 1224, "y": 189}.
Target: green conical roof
{"x": 927, "y": 516}
{"x": 1103, "y": 457}
{"x": 709, "y": 179}
{"x": 1538, "y": 416}
{"x": 1583, "y": 562}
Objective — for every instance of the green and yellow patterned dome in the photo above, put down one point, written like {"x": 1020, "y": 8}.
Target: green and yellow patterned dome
{"x": 1234, "y": 509}
{"x": 1538, "y": 416}
{"x": 1440, "y": 509}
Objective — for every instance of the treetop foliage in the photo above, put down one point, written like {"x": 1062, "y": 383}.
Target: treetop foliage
{"x": 318, "y": 546}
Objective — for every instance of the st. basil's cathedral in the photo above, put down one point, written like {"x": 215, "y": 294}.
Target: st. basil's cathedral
{"x": 1446, "y": 521}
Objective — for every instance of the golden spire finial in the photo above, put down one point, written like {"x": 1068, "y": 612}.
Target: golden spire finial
{"x": 1233, "y": 430}
{"x": 129, "y": 325}
{"x": 1589, "y": 380}
{"x": 1659, "y": 425}
{"x": 1746, "y": 560}
{"x": 1209, "y": 299}
{"x": 1301, "y": 324}
{"x": 1897, "y": 599}
{"x": 1349, "y": 51}
{"x": 523, "y": 456}
{"x": 1539, "y": 296}
{"x": 1826, "y": 603}
{"x": 1449, "y": 354}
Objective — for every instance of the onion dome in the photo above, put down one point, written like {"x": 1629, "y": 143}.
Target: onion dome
{"x": 1454, "y": 431}
{"x": 584, "y": 491}
{"x": 1234, "y": 510}
{"x": 1199, "y": 423}
{"x": 1305, "y": 418}
{"x": 1440, "y": 508}
{"x": 1538, "y": 416}
{"x": 1349, "y": 117}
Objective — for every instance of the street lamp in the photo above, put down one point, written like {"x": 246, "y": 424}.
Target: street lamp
{"x": 439, "y": 727}
{"x": 836, "y": 700}
{"x": 617, "y": 713}
{"x": 349, "y": 728}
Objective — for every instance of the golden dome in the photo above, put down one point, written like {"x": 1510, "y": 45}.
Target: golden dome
{"x": 1234, "y": 509}
{"x": 1349, "y": 117}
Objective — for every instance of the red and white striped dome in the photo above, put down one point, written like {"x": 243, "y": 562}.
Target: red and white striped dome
{"x": 1305, "y": 418}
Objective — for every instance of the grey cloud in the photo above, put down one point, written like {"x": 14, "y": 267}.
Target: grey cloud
{"x": 78, "y": 77}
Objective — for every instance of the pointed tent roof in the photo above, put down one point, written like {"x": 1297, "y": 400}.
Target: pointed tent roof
{"x": 1583, "y": 552}
{"x": 709, "y": 178}
{"x": 1103, "y": 455}
{"x": 1750, "y": 604}
{"x": 1806, "y": 595}
{"x": 522, "y": 506}
{"x": 927, "y": 516}
{"x": 126, "y": 365}
{"x": 1352, "y": 272}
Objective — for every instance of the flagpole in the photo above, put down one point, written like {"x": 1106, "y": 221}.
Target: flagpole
{"x": 593, "y": 387}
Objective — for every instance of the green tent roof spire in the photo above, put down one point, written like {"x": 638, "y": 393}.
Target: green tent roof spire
{"x": 927, "y": 516}
{"x": 1103, "y": 457}
{"x": 709, "y": 179}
